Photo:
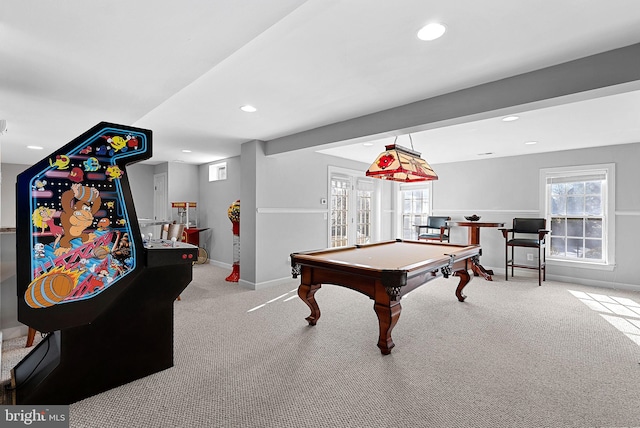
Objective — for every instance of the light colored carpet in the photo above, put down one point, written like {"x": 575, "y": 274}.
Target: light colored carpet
{"x": 513, "y": 355}
{"x": 13, "y": 351}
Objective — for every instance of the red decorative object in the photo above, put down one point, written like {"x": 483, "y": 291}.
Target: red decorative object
{"x": 385, "y": 160}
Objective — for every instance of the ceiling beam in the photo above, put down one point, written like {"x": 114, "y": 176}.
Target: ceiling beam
{"x": 607, "y": 73}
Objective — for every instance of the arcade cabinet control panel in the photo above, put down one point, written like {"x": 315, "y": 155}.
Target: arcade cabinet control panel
{"x": 164, "y": 252}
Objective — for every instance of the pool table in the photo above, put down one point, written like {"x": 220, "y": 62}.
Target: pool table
{"x": 384, "y": 271}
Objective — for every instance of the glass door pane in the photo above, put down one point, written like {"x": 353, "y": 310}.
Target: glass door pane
{"x": 339, "y": 211}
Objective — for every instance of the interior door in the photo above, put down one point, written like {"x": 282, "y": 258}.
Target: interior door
{"x": 160, "y": 200}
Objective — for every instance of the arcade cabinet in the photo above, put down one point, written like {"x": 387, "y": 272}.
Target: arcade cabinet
{"x": 103, "y": 295}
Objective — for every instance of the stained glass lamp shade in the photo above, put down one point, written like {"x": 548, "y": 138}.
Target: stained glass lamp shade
{"x": 398, "y": 163}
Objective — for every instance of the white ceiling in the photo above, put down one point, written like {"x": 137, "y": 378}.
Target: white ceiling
{"x": 184, "y": 68}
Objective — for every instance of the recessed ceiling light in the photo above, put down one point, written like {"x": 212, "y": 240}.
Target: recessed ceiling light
{"x": 510, "y": 118}
{"x": 35, "y": 147}
{"x": 530, "y": 142}
{"x": 367, "y": 144}
{"x": 248, "y": 109}
{"x": 431, "y": 31}
{"x": 186, "y": 151}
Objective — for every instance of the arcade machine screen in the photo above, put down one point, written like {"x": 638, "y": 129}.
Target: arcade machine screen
{"x": 86, "y": 277}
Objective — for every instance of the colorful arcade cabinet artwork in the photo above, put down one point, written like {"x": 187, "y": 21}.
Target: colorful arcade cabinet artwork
{"x": 80, "y": 231}
{"x": 86, "y": 277}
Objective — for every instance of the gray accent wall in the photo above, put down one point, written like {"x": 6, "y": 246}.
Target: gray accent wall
{"x": 503, "y": 188}
{"x": 295, "y": 181}
{"x": 214, "y": 200}
{"x": 141, "y": 181}
{"x": 281, "y": 210}
{"x": 9, "y": 172}
{"x": 284, "y": 213}
{"x": 183, "y": 185}
{"x": 286, "y": 216}
{"x": 497, "y": 189}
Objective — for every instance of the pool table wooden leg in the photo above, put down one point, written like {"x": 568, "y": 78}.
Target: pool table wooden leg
{"x": 388, "y": 315}
{"x": 464, "y": 280}
{"x": 306, "y": 292}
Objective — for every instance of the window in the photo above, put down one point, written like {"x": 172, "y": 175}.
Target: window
{"x": 579, "y": 208}
{"x": 415, "y": 203}
{"x": 218, "y": 171}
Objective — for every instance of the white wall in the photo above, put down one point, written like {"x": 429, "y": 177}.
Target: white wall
{"x": 292, "y": 183}
{"x": 214, "y": 200}
{"x": 9, "y": 173}
{"x": 288, "y": 211}
{"x": 183, "y": 185}
{"x": 141, "y": 181}
{"x": 496, "y": 189}
{"x": 9, "y": 324}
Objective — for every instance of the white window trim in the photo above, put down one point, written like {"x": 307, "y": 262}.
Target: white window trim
{"x": 610, "y": 210}
{"x": 218, "y": 171}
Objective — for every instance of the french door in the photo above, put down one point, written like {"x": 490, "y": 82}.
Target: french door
{"x": 352, "y": 202}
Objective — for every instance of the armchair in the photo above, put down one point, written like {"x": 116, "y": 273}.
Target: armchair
{"x": 534, "y": 231}
{"x": 436, "y": 229}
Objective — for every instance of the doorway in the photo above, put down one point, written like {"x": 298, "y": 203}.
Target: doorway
{"x": 160, "y": 200}
{"x": 352, "y": 209}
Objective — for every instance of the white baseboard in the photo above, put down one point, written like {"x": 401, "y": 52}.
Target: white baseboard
{"x": 220, "y": 264}
{"x": 252, "y": 285}
{"x": 592, "y": 283}
{"x": 497, "y": 272}
{"x": 571, "y": 280}
{"x": 266, "y": 284}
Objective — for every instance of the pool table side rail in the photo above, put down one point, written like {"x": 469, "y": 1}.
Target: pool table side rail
{"x": 311, "y": 258}
{"x": 317, "y": 258}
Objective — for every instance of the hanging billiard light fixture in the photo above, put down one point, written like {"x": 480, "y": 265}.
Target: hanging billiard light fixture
{"x": 398, "y": 163}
